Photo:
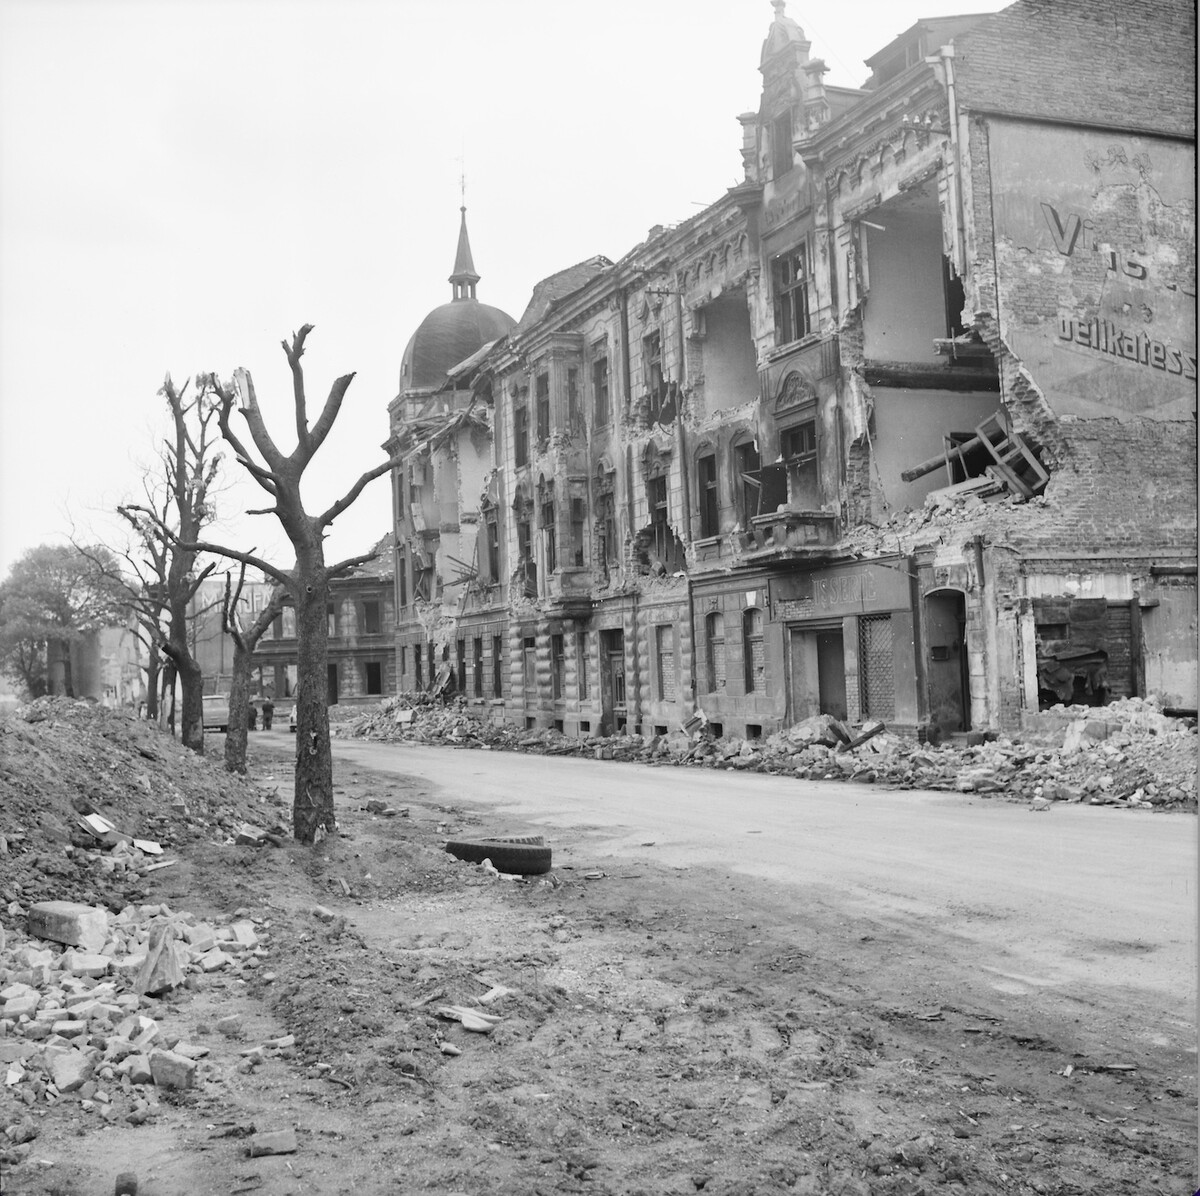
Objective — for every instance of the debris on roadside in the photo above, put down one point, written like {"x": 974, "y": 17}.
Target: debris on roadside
{"x": 1127, "y": 754}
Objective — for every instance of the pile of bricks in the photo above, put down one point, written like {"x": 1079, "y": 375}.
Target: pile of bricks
{"x": 78, "y": 1019}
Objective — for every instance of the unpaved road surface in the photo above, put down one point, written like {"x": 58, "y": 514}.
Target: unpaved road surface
{"x": 731, "y": 984}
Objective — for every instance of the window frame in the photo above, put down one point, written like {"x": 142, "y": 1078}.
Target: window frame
{"x": 708, "y": 495}
{"x": 601, "y": 392}
{"x": 790, "y": 277}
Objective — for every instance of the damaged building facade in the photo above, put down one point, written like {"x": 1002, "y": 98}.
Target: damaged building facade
{"x": 900, "y": 428}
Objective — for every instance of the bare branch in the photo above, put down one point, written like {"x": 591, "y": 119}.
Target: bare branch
{"x": 333, "y": 404}
{"x": 342, "y": 503}
{"x": 294, "y": 352}
{"x": 247, "y": 558}
{"x": 227, "y": 395}
{"x": 351, "y": 563}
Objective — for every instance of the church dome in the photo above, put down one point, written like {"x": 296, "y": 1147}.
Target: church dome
{"x": 452, "y": 332}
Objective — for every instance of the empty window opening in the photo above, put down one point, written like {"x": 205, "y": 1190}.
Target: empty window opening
{"x": 477, "y": 668}
{"x": 798, "y": 447}
{"x": 600, "y": 404}
{"x": 578, "y": 531}
{"x": 558, "y": 725}
{"x": 374, "y": 672}
{"x": 542, "y": 392}
{"x": 497, "y": 665}
{"x": 717, "y": 730}
{"x": 527, "y": 566}
{"x": 548, "y": 536}
{"x": 460, "y": 662}
{"x": 660, "y": 728}
{"x": 585, "y": 727}
{"x": 706, "y": 476}
{"x": 530, "y": 723}
{"x": 658, "y": 548}
{"x": 520, "y": 436}
{"x": 747, "y": 469}
{"x": 331, "y": 619}
{"x": 753, "y": 730}
{"x": 372, "y": 623}
{"x": 574, "y": 409}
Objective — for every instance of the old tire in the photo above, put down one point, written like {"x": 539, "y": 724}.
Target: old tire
{"x": 518, "y": 859}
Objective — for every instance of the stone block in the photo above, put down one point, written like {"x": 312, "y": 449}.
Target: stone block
{"x": 172, "y": 1071}
{"x": 230, "y": 1026}
{"x": 273, "y": 1142}
{"x": 25, "y": 1006}
{"x": 69, "y": 922}
{"x": 70, "y": 1069}
{"x": 214, "y": 960}
{"x": 244, "y": 933}
{"x": 137, "y": 1068}
{"x": 83, "y": 963}
{"x": 162, "y": 970}
{"x": 200, "y": 937}
{"x": 69, "y": 1028}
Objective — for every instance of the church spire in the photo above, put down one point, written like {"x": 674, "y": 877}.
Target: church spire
{"x": 464, "y": 277}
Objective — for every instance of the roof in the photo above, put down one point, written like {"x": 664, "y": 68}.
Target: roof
{"x": 448, "y": 335}
{"x": 558, "y": 286}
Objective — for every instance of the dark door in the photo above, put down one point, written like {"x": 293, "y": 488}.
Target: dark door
{"x": 949, "y": 680}
{"x": 831, "y": 673}
{"x": 612, "y": 682}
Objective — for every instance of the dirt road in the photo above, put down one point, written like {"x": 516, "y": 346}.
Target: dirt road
{"x": 1075, "y": 903}
{"x": 730, "y": 984}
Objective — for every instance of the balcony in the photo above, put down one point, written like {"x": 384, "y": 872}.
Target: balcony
{"x": 789, "y": 531}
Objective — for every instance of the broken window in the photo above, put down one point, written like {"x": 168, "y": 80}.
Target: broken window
{"x": 747, "y": 470}
{"x": 548, "y": 533}
{"x": 497, "y": 666}
{"x": 372, "y": 623}
{"x": 460, "y": 661}
{"x": 658, "y": 547}
{"x": 520, "y": 436}
{"x": 374, "y": 677}
{"x": 331, "y": 619}
{"x": 477, "y": 667}
{"x": 706, "y": 477}
{"x": 607, "y": 529}
{"x": 667, "y": 677}
{"x": 790, "y": 284}
{"x": 581, "y": 656}
{"x": 542, "y": 394}
{"x": 493, "y": 545}
{"x": 714, "y": 638}
{"x": 600, "y": 391}
{"x": 652, "y": 374}
{"x": 422, "y": 579}
{"x": 402, "y": 579}
{"x": 574, "y": 411}
{"x": 578, "y": 527}
{"x": 558, "y": 663}
{"x": 798, "y": 448}
{"x": 782, "y": 155}
{"x": 752, "y": 646}
{"x": 526, "y": 564}
{"x": 1084, "y": 651}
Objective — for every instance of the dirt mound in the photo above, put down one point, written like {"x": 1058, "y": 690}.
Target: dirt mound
{"x": 60, "y": 759}
{"x": 1128, "y": 753}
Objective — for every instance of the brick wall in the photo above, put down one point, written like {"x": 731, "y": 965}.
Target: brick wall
{"x": 1117, "y": 63}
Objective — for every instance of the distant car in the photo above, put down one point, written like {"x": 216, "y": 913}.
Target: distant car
{"x": 216, "y": 712}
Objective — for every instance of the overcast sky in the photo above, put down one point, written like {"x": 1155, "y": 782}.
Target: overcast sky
{"x": 184, "y": 182}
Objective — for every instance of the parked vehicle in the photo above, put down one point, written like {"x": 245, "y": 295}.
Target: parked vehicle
{"x": 216, "y": 712}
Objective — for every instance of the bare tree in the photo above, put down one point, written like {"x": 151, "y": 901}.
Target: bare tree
{"x": 165, "y": 529}
{"x": 280, "y": 475}
{"x": 245, "y": 640}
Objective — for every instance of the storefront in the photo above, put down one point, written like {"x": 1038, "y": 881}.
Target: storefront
{"x": 849, "y": 641}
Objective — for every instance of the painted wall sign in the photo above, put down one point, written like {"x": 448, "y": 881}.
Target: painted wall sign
{"x": 844, "y": 590}
{"x": 1096, "y": 267}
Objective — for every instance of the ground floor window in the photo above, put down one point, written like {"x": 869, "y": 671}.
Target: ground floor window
{"x": 581, "y": 650}
{"x": 497, "y": 659}
{"x": 558, "y": 661}
{"x": 667, "y": 677}
{"x": 714, "y": 635}
{"x": 755, "y": 653}
{"x": 477, "y": 668}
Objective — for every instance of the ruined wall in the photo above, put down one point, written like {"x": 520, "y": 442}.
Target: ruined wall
{"x": 905, "y": 307}
{"x": 1091, "y": 62}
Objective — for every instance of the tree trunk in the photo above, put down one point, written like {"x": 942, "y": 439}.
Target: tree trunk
{"x": 153, "y": 667}
{"x": 239, "y": 708}
{"x": 312, "y": 805}
{"x": 191, "y": 688}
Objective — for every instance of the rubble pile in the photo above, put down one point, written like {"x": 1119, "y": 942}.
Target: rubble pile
{"x": 79, "y": 1018}
{"x": 1127, "y": 753}
{"x": 65, "y": 764}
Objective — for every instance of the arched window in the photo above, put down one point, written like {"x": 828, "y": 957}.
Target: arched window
{"x": 714, "y": 638}
{"x": 752, "y": 636}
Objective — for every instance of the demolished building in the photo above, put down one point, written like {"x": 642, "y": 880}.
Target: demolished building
{"x": 900, "y": 428}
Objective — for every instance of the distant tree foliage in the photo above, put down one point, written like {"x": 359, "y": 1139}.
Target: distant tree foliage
{"x": 53, "y": 596}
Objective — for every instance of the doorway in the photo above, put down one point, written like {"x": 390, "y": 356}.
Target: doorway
{"x": 331, "y": 684}
{"x": 612, "y": 682}
{"x": 949, "y": 675}
{"x": 818, "y": 672}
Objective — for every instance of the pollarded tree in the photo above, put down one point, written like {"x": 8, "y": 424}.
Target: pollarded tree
{"x": 245, "y": 636}
{"x": 178, "y": 509}
{"x": 280, "y": 475}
